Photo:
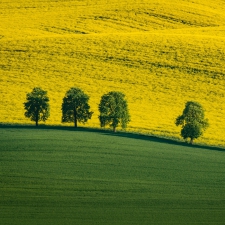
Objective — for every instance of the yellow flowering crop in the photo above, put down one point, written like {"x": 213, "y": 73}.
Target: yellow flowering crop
{"x": 160, "y": 54}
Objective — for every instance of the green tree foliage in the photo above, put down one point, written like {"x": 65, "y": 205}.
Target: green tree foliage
{"x": 113, "y": 110}
{"x": 75, "y": 107}
{"x": 192, "y": 120}
{"x": 37, "y": 105}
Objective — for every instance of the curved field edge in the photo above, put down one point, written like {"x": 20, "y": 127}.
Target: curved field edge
{"x": 118, "y": 133}
{"x": 59, "y": 176}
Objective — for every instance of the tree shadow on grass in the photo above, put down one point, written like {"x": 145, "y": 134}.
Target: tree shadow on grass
{"x": 163, "y": 140}
{"x": 113, "y": 134}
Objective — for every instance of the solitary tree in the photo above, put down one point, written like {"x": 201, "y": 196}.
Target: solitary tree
{"x": 75, "y": 107}
{"x": 113, "y": 110}
{"x": 37, "y": 106}
{"x": 193, "y": 121}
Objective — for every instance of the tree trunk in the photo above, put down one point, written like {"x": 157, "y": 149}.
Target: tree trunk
{"x": 75, "y": 123}
{"x": 191, "y": 141}
{"x": 75, "y": 117}
{"x": 114, "y": 129}
{"x": 36, "y": 118}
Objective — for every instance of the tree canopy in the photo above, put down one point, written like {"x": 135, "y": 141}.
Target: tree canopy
{"x": 113, "y": 110}
{"x": 75, "y": 107}
{"x": 192, "y": 121}
{"x": 37, "y": 105}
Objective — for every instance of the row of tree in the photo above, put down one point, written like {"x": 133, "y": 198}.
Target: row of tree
{"x": 113, "y": 110}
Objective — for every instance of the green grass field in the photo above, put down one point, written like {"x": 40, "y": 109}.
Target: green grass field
{"x": 58, "y": 175}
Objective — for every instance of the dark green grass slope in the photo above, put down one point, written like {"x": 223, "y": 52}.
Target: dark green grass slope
{"x": 63, "y": 176}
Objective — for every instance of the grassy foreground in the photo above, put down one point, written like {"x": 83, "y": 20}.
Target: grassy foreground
{"x": 66, "y": 176}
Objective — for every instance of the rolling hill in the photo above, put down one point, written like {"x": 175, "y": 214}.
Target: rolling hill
{"x": 60, "y": 175}
{"x": 160, "y": 54}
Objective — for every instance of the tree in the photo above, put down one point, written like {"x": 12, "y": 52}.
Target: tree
{"x": 192, "y": 120}
{"x": 113, "y": 110}
{"x": 75, "y": 107}
{"x": 37, "y": 106}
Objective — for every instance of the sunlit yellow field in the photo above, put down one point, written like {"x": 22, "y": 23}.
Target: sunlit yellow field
{"x": 160, "y": 54}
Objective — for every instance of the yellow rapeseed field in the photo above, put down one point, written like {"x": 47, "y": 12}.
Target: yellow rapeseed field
{"x": 159, "y": 53}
